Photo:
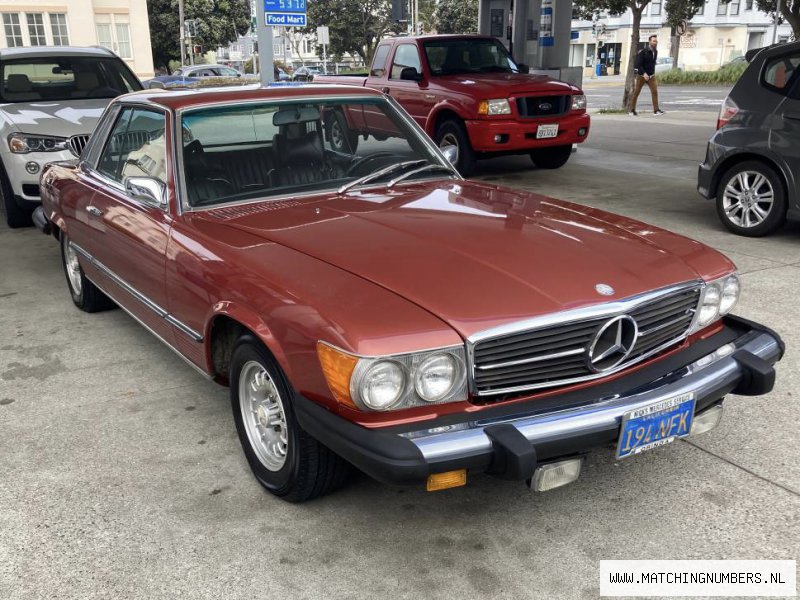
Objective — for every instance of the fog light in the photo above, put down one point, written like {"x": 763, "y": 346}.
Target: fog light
{"x": 554, "y": 475}
{"x": 582, "y": 131}
{"x": 32, "y": 167}
{"x": 500, "y": 138}
{"x": 450, "y": 479}
{"x": 706, "y": 420}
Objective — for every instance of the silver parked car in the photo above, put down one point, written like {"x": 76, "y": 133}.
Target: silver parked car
{"x": 47, "y": 95}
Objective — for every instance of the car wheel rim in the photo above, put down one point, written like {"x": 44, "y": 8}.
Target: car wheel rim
{"x": 263, "y": 415}
{"x": 337, "y": 136}
{"x": 73, "y": 268}
{"x": 448, "y": 139}
{"x": 748, "y": 199}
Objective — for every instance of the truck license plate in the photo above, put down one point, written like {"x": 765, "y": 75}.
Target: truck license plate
{"x": 546, "y": 131}
{"x": 655, "y": 425}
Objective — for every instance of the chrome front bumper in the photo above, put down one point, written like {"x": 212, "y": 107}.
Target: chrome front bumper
{"x": 710, "y": 377}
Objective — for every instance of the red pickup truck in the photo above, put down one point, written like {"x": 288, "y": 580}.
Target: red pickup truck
{"x": 467, "y": 92}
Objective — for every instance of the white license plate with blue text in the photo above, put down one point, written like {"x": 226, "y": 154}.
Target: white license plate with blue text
{"x": 655, "y": 425}
{"x": 546, "y": 131}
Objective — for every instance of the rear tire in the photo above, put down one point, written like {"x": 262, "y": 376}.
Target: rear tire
{"x": 285, "y": 459}
{"x": 552, "y": 157}
{"x": 16, "y": 216}
{"x": 85, "y": 295}
{"x": 751, "y": 200}
{"x": 452, "y": 133}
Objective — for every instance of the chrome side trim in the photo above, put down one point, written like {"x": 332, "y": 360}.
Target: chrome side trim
{"x": 608, "y": 309}
{"x": 158, "y": 310}
{"x": 715, "y": 371}
{"x": 158, "y": 337}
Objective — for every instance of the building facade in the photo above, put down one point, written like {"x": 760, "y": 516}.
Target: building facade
{"x": 120, "y": 25}
{"x": 721, "y": 32}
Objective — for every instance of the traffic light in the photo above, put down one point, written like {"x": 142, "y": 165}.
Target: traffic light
{"x": 400, "y": 11}
{"x": 197, "y": 49}
{"x": 419, "y": 28}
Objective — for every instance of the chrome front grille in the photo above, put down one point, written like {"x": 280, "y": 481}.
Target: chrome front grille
{"x": 77, "y": 143}
{"x": 558, "y": 353}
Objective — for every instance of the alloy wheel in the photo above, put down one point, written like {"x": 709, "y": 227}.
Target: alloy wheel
{"x": 748, "y": 199}
{"x": 73, "y": 268}
{"x": 263, "y": 415}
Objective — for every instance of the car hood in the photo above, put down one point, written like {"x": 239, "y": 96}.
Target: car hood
{"x": 55, "y": 118}
{"x": 512, "y": 83}
{"x": 478, "y": 256}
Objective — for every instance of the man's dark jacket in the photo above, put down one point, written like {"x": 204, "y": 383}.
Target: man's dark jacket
{"x": 646, "y": 61}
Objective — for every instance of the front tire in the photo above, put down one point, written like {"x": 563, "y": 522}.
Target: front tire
{"x": 751, "y": 200}
{"x": 552, "y": 157}
{"x": 453, "y": 133}
{"x": 85, "y": 295}
{"x": 16, "y": 216}
{"x": 285, "y": 459}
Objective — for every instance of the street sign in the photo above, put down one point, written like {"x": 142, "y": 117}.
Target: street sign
{"x": 682, "y": 27}
{"x": 285, "y": 6}
{"x": 285, "y": 19}
{"x": 323, "y": 35}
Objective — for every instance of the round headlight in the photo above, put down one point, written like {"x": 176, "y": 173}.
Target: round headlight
{"x": 730, "y": 294}
{"x": 382, "y": 385}
{"x": 435, "y": 377}
{"x": 710, "y": 307}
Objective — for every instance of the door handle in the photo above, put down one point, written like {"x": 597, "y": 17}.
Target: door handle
{"x": 792, "y": 115}
{"x": 94, "y": 211}
{"x": 385, "y": 90}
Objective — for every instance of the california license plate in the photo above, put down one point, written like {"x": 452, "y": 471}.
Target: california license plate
{"x": 546, "y": 131}
{"x": 655, "y": 425}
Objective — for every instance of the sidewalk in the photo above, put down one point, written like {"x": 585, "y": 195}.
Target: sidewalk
{"x": 682, "y": 117}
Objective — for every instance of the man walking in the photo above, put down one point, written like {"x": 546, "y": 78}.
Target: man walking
{"x": 645, "y": 69}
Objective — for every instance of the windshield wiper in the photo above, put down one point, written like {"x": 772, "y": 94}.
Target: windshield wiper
{"x": 422, "y": 169}
{"x": 379, "y": 173}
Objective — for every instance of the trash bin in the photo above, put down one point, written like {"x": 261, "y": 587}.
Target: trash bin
{"x": 598, "y": 69}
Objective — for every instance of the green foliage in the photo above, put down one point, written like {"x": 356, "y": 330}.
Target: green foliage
{"x": 457, "y": 16}
{"x": 677, "y": 10}
{"x": 220, "y": 22}
{"x": 728, "y": 74}
{"x": 355, "y": 26}
{"x": 790, "y": 12}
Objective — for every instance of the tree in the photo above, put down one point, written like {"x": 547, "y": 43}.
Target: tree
{"x": 355, "y": 26}
{"x": 589, "y": 8}
{"x": 790, "y": 11}
{"x": 219, "y": 23}
{"x": 457, "y": 16}
{"x": 677, "y": 11}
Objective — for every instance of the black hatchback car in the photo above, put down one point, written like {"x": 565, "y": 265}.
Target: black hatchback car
{"x": 752, "y": 164}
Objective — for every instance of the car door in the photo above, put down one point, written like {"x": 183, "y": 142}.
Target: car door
{"x": 781, "y": 74}
{"x": 413, "y": 96}
{"x": 127, "y": 233}
{"x": 376, "y": 120}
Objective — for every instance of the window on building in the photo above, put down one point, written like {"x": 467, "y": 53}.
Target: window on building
{"x": 58, "y": 27}
{"x": 576, "y": 55}
{"x": 590, "y": 48}
{"x": 13, "y": 30}
{"x": 748, "y": 5}
{"x": 701, "y": 10}
{"x": 722, "y": 8}
{"x": 36, "y": 29}
{"x": 277, "y": 49}
{"x": 655, "y": 8}
{"x": 114, "y": 33}
{"x": 734, "y": 7}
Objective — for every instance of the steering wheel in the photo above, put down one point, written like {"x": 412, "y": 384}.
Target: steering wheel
{"x": 360, "y": 162}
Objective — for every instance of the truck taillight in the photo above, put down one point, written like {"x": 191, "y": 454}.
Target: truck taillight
{"x": 727, "y": 112}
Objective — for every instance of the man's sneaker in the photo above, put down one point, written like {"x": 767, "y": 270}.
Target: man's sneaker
{"x": 633, "y": 113}
{"x": 658, "y": 113}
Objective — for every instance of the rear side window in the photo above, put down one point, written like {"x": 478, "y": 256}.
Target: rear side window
{"x": 781, "y": 72}
{"x": 379, "y": 62}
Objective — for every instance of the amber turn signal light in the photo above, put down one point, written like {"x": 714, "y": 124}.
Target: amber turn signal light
{"x": 483, "y": 107}
{"x": 337, "y": 366}
{"x": 449, "y": 479}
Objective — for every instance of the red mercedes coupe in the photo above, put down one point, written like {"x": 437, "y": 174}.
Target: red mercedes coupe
{"x": 374, "y": 309}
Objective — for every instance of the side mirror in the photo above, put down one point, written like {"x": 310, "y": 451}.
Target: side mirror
{"x": 147, "y": 190}
{"x": 523, "y": 68}
{"x": 450, "y": 153}
{"x": 410, "y": 74}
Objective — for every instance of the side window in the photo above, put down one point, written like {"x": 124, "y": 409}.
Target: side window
{"x": 406, "y": 56}
{"x": 379, "y": 62}
{"x": 136, "y": 147}
{"x": 780, "y": 72}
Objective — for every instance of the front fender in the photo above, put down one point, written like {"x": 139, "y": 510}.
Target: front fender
{"x": 443, "y": 106}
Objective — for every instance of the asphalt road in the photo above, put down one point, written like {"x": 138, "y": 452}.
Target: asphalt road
{"x": 672, "y": 98}
{"x": 121, "y": 475}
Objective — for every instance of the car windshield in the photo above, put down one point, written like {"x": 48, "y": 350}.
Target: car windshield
{"x": 52, "y": 78}
{"x": 453, "y": 56}
{"x": 235, "y": 153}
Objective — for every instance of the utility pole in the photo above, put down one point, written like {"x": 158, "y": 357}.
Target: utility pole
{"x": 183, "y": 32}
{"x": 777, "y": 20}
{"x": 265, "y": 56}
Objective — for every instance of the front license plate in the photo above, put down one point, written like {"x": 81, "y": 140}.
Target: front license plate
{"x": 655, "y": 425}
{"x": 546, "y": 131}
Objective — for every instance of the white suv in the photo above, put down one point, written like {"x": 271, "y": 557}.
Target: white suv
{"x": 47, "y": 95}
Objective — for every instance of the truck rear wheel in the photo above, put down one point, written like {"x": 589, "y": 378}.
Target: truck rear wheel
{"x": 452, "y": 133}
{"x": 552, "y": 157}
{"x": 340, "y": 136}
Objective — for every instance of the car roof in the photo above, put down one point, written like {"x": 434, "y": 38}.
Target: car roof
{"x": 178, "y": 99}
{"x": 770, "y": 51}
{"x": 55, "y": 51}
